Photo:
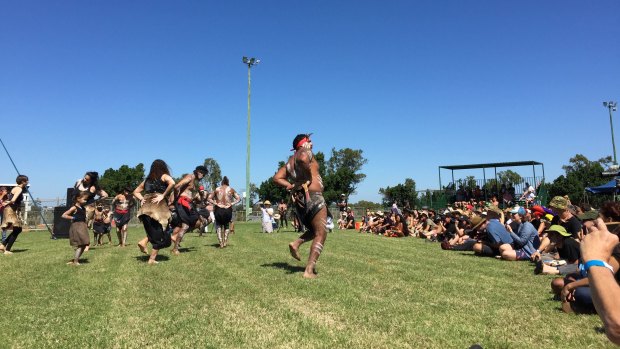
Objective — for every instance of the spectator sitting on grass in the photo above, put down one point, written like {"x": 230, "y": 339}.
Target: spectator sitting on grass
{"x": 574, "y": 290}
{"x": 350, "y": 219}
{"x": 567, "y": 250}
{"x": 523, "y": 241}
{"x": 496, "y": 234}
{"x": 427, "y": 226}
{"x": 560, "y": 206}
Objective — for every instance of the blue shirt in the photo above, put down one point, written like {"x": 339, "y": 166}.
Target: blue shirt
{"x": 497, "y": 233}
{"x": 524, "y": 238}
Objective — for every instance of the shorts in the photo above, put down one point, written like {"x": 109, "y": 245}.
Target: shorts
{"x": 522, "y": 255}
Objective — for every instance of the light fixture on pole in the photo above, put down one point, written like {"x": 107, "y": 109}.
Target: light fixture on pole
{"x": 613, "y": 169}
{"x": 250, "y": 61}
{"x": 611, "y": 105}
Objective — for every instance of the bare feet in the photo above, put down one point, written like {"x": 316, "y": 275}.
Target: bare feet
{"x": 87, "y": 248}
{"x": 566, "y": 307}
{"x": 7, "y": 252}
{"x": 152, "y": 261}
{"x": 294, "y": 251}
{"x": 2, "y": 248}
{"x": 310, "y": 275}
{"x": 143, "y": 249}
{"x": 73, "y": 263}
{"x": 176, "y": 252}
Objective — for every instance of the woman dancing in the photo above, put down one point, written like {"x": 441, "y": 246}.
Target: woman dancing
{"x": 11, "y": 213}
{"x": 78, "y": 233}
{"x": 89, "y": 184}
{"x": 154, "y": 212}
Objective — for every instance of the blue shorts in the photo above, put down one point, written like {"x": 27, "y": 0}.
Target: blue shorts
{"x": 522, "y": 255}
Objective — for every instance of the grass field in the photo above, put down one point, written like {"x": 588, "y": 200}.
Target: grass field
{"x": 372, "y": 292}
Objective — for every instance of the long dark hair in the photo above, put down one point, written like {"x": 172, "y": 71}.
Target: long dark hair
{"x": 404, "y": 222}
{"x": 158, "y": 169}
{"x": 94, "y": 179}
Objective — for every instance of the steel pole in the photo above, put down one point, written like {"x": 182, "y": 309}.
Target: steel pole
{"x": 247, "y": 162}
{"x": 613, "y": 142}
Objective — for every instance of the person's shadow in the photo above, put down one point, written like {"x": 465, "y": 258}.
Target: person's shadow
{"x": 19, "y": 250}
{"x": 145, "y": 258}
{"x": 290, "y": 269}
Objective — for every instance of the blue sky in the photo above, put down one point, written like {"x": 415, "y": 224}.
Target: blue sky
{"x": 415, "y": 84}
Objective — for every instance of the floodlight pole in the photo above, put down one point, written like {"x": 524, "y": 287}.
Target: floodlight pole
{"x": 611, "y": 105}
{"x": 248, "y": 211}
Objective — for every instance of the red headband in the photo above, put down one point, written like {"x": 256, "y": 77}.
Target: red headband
{"x": 301, "y": 142}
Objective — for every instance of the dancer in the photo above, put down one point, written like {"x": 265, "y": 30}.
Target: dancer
{"x": 98, "y": 225}
{"x": 11, "y": 213}
{"x": 4, "y": 192}
{"x": 154, "y": 212}
{"x": 89, "y": 184}
{"x": 307, "y": 192}
{"x": 201, "y": 200}
{"x": 282, "y": 210}
{"x": 225, "y": 198}
{"x": 122, "y": 203}
{"x": 78, "y": 233}
{"x": 107, "y": 226}
{"x": 186, "y": 213}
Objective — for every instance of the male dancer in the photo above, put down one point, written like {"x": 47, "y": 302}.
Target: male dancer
{"x": 282, "y": 210}
{"x": 201, "y": 200}
{"x": 307, "y": 192}
{"x": 122, "y": 203}
{"x": 225, "y": 198}
{"x": 186, "y": 213}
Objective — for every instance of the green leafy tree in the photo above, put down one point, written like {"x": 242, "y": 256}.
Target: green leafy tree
{"x": 373, "y": 206}
{"x": 509, "y": 177}
{"x": 400, "y": 193}
{"x": 342, "y": 173}
{"x": 579, "y": 174}
{"x": 214, "y": 177}
{"x": 269, "y": 190}
{"x": 113, "y": 181}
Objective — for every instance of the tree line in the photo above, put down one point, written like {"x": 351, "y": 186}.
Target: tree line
{"x": 342, "y": 173}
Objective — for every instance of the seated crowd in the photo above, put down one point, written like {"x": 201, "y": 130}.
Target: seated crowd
{"x": 548, "y": 237}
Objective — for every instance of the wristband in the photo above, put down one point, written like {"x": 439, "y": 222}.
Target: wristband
{"x": 596, "y": 263}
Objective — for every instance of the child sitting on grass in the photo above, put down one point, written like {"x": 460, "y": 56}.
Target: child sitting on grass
{"x": 78, "y": 233}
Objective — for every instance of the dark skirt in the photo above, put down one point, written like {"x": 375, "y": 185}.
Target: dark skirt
{"x": 186, "y": 215}
{"x": 223, "y": 216}
{"x": 155, "y": 232}
{"x": 99, "y": 227}
{"x": 78, "y": 234}
{"x": 122, "y": 218}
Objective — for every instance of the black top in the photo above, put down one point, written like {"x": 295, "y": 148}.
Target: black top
{"x": 80, "y": 214}
{"x": 450, "y": 230}
{"x": 569, "y": 250}
{"x": 573, "y": 225}
{"x": 15, "y": 205}
{"x": 157, "y": 186}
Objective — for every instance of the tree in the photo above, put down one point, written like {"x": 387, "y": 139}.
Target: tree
{"x": 269, "y": 190}
{"x": 214, "y": 177}
{"x": 509, "y": 177}
{"x": 367, "y": 205}
{"x": 114, "y": 181}
{"x": 401, "y": 194}
{"x": 342, "y": 173}
{"x": 580, "y": 173}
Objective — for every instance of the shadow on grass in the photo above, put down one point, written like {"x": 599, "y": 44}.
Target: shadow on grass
{"x": 290, "y": 269}
{"x": 19, "y": 250}
{"x": 145, "y": 258}
{"x": 187, "y": 249}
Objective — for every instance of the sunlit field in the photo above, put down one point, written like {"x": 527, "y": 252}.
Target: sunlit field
{"x": 372, "y": 292}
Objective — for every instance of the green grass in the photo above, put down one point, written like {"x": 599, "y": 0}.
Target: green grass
{"x": 372, "y": 292}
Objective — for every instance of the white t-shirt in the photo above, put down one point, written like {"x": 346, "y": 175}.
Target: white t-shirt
{"x": 267, "y": 213}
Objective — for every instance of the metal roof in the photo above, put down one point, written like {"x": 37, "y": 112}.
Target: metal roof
{"x": 492, "y": 165}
